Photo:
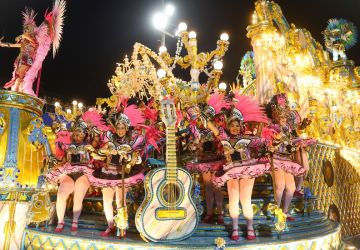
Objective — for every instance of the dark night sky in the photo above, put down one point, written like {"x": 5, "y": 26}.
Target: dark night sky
{"x": 97, "y": 34}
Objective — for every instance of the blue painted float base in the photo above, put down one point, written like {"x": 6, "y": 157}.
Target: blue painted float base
{"x": 315, "y": 232}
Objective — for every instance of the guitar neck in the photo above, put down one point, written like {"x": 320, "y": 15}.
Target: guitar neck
{"x": 171, "y": 160}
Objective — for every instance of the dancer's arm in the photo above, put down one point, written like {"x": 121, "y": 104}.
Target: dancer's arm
{"x": 10, "y": 45}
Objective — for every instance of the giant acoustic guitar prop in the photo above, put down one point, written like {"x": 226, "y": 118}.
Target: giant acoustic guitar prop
{"x": 167, "y": 212}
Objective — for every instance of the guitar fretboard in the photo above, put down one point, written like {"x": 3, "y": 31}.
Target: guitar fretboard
{"x": 171, "y": 160}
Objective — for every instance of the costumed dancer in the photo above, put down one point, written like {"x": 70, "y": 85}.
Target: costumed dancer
{"x": 208, "y": 159}
{"x": 297, "y": 127}
{"x": 73, "y": 151}
{"x": 283, "y": 148}
{"x": 34, "y": 44}
{"x": 243, "y": 161}
{"x": 122, "y": 154}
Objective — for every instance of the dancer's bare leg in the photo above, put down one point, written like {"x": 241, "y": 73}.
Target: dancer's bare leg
{"x": 219, "y": 199}
{"x": 289, "y": 191}
{"x": 209, "y": 192}
{"x": 234, "y": 197}
{"x": 279, "y": 180}
{"x": 108, "y": 198}
{"x": 20, "y": 73}
{"x": 305, "y": 163}
{"x": 246, "y": 188}
{"x": 66, "y": 187}
{"x": 119, "y": 196}
{"x": 82, "y": 184}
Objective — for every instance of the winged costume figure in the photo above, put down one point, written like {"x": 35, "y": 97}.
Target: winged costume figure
{"x": 34, "y": 45}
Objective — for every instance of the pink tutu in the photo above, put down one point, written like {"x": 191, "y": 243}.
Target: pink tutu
{"x": 288, "y": 166}
{"x": 241, "y": 171}
{"x": 67, "y": 169}
{"x": 102, "y": 178}
{"x": 204, "y": 167}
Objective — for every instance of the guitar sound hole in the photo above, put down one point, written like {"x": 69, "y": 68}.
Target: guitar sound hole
{"x": 170, "y": 194}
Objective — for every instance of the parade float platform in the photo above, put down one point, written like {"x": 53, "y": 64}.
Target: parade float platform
{"x": 307, "y": 232}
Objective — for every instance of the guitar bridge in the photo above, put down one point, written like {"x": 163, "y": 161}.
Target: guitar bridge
{"x": 166, "y": 213}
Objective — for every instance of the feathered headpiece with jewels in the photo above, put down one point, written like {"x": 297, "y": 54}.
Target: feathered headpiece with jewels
{"x": 130, "y": 115}
{"x": 247, "y": 110}
{"x": 279, "y": 106}
{"x": 91, "y": 121}
{"x": 216, "y": 103}
{"x": 29, "y": 20}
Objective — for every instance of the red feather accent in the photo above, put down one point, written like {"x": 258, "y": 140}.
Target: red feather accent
{"x": 152, "y": 136}
{"x": 268, "y": 134}
{"x": 150, "y": 114}
{"x": 179, "y": 116}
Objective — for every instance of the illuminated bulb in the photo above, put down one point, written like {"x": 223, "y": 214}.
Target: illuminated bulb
{"x": 74, "y": 103}
{"x": 57, "y": 104}
{"x": 169, "y": 10}
{"x": 80, "y": 105}
{"x": 68, "y": 111}
{"x": 161, "y": 73}
{"x": 222, "y": 86}
{"x": 218, "y": 65}
{"x": 162, "y": 49}
{"x": 160, "y": 21}
{"x": 224, "y": 37}
{"x": 192, "y": 34}
{"x": 182, "y": 27}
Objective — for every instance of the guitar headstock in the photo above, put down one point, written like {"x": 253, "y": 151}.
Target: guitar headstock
{"x": 168, "y": 112}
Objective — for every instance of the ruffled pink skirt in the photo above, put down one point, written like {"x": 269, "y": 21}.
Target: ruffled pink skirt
{"x": 54, "y": 175}
{"x": 103, "y": 179}
{"x": 288, "y": 166}
{"x": 245, "y": 170}
{"x": 204, "y": 167}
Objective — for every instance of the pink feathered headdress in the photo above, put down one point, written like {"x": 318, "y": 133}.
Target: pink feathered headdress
{"x": 29, "y": 18}
{"x": 247, "y": 110}
{"x": 93, "y": 119}
{"x": 130, "y": 116}
{"x": 217, "y": 102}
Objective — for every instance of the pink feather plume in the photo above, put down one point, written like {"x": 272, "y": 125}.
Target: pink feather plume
{"x": 249, "y": 108}
{"x": 93, "y": 118}
{"x": 29, "y": 17}
{"x": 134, "y": 114}
{"x": 63, "y": 138}
{"x": 55, "y": 20}
{"x": 218, "y": 102}
{"x": 44, "y": 43}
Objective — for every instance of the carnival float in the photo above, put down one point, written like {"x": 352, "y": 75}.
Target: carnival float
{"x": 165, "y": 163}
